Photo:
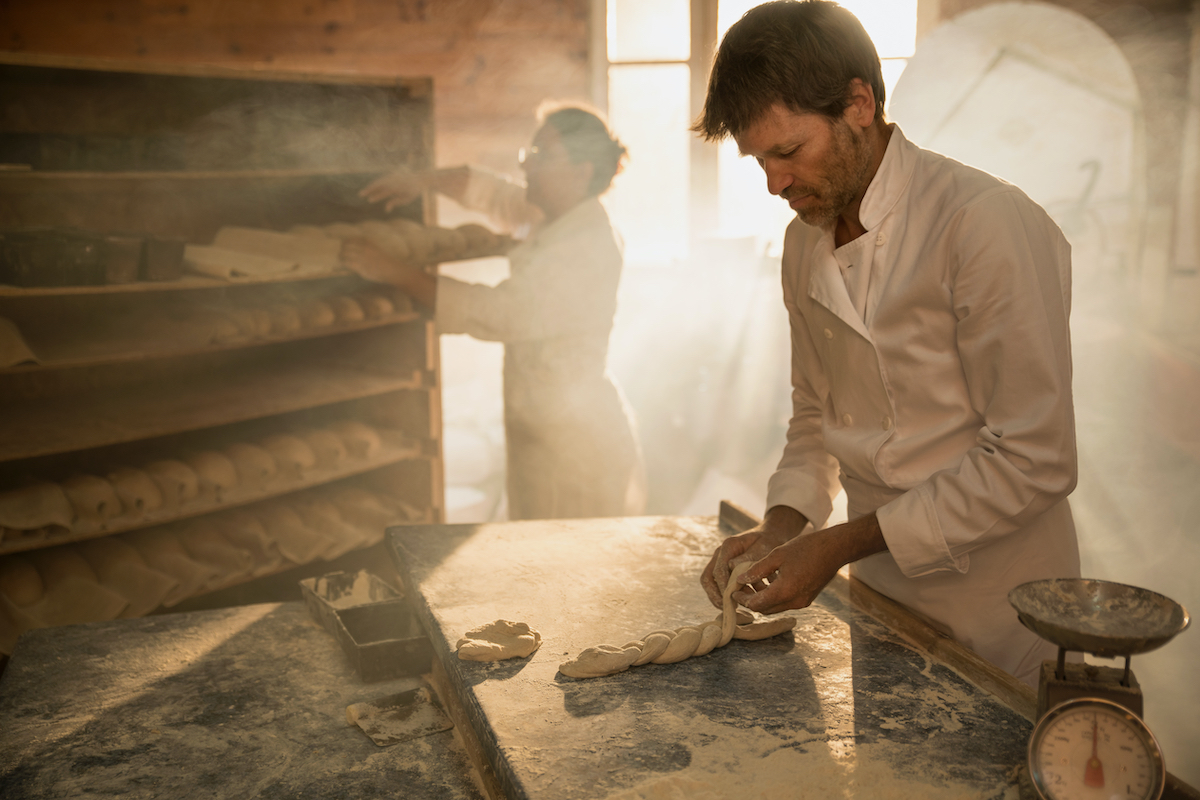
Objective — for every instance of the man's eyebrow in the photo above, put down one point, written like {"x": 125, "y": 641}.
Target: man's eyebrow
{"x": 776, "y": 151}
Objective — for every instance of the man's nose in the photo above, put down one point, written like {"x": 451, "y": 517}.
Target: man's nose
{"x": 778, "y": 178}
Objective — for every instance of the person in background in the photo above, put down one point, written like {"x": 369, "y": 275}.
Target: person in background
{"x": 572, "y": 449}
{"x": 931, "y": 359}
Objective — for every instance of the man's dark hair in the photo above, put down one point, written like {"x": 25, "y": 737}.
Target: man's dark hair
{"x": 801, "y": 53}
{"x": 587, "y": 137}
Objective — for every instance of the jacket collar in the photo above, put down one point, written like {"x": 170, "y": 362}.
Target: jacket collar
{"x": 826, "y": 285}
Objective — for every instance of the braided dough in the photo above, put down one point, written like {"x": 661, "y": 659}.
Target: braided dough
{"x": 669, "y": 647}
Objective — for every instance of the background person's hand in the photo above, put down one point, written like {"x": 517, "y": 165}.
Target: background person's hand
{"x": 397, "y": 188}
{"x": 368, "y": 261}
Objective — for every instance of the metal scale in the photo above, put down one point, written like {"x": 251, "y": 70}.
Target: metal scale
{"x": 1089, "y": 740}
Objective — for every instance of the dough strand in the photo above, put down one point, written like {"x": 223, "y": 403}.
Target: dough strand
{"x": 673, "y": 646}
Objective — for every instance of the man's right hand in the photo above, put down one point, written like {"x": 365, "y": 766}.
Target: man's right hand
{"x": 781, "y": 524}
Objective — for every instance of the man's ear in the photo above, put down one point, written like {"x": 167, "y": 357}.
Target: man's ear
{"x": 861, "y": 111}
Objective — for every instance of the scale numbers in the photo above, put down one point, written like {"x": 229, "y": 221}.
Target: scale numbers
{"x": 1093, "y": 749}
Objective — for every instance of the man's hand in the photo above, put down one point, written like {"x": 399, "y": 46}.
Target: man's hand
{"x": 780, "y": 525}
{"x": 795, "y": 572}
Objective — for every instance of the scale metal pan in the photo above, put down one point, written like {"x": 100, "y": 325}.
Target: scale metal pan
{"x": 1098, "y": 617}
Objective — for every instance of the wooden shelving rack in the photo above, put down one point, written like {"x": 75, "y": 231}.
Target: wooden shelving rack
{"x": 173, "y": 152}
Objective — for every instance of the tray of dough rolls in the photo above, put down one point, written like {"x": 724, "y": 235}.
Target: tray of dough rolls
{"x": 372, "y": 623}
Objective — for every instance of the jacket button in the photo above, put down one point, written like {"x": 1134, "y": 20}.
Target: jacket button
{"x": 828, "y": 333}
{"x": 887, "y": 423}
{"x": 847, "y": 420}
{"x": 881, "y": 239}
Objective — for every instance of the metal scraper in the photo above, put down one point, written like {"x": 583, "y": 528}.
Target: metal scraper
{"x": 399, "y": 717}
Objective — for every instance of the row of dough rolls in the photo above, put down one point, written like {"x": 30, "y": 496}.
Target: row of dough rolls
{"x": 166, "y": 488}
{"x": 131, "y": 574}
{"x": 406, "y": 240}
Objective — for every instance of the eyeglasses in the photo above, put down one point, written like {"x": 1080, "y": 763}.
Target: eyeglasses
{"x": 528, "y": 154}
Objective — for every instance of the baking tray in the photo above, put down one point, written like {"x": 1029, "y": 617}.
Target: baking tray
{"x": 372, "y": 622}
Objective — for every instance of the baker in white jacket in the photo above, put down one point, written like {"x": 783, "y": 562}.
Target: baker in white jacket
{"x": 571, "y": 445}
{"x": 931, "y": 363}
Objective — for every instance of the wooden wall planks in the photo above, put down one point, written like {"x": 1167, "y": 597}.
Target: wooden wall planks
{"x": 492, "y": 61}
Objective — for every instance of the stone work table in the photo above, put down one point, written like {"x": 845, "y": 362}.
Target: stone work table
{"x": 843, "y": 707}
{"x": 245, "y": 702}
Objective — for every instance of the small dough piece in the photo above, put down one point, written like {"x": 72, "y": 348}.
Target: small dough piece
{"x": 217, "y": 474}
{"x": 596, "y": 662}
{"x": 327, "y": 446}
{"x": 20, "y": 581}
{"x": 178, "y": 482}
{"x": 35, "y": 506}
{"x": 362, "y": 441}
{"x": 255, "y": 466}
{"x": 346, "y": 309}
{"x": 138, "y": 492}
{"x": 94, "y": 499}
{"x": 499, "y": 640}
{"x": 292, "y": 455}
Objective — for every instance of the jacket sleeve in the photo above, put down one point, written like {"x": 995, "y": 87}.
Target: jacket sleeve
{"x": 806, "y": 477}
{"x": 1009, "y": 276}
{"x": 501, "y": 199}
{"x": 562, "y": 287}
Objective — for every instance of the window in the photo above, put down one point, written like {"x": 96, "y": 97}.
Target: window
{"x": 658, "y": 53}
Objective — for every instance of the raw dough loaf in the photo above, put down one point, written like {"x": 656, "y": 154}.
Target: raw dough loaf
{"x": 326, "y": 445}
{"x": 420, "y": 242}
{"x": 255, "y": 466}
{"x": 316, "y": 314}
{"x": 375, "y": 306}
{"x": 219, "y": 262}
{"x": 285, "y": 319}
{"x": 161, "y": 550}
{"x": 248, "y": 533}
{"x": 121, "y": 569}
{"x": 217, "y": 474}
{"x": 499, "y": 640}
{"x": 387, "y": 239}
{"x": 365, "y": 511}
{"x": 671, "y": 646}
{"x": 362, "y": 441}
{"x": 293, "y": 457}
{"x": 35, "y": 506}
{"x": 347, "y": 309}
{"x": 178, "y": 482}
{"x": 205, "y": 543}
{"x": 93, "y": 499}
{"x": 296, "y": 541}
{"x": 479, "y": 239}
{"x": 323, "y": 517}
{"x": 20, "y": 581}
{"x": 304, "y": 250}
{"x": 139, "y": 494}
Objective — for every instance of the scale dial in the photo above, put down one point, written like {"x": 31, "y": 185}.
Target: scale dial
{"x": 1094, "y": 749}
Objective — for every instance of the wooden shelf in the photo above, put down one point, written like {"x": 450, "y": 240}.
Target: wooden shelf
{"x": 100, "y": 352}
{"x": 59, "y": 425}
{"x": 396, "y": 449}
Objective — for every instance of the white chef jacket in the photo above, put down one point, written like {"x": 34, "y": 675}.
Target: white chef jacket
{"x": 945, "y": 404}
{"x": 571, "y": 446}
